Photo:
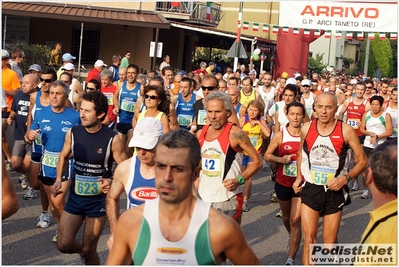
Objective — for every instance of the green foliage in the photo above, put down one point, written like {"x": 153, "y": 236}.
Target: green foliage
{"x": 34, "y": 54}
{"x": 316, "y": 64}
{"x": 204, "y": 53}
{"x": 381, "y": 57}
{"x": 394, "y": 47}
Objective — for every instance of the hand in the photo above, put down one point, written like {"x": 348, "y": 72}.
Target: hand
{"x": 115, "y": 111}
{"x": 55, "y": 189}
{"x": 297, "y": 186}
{"x": 27, "y": 139}
{"x": 105, "y": 184}
{"x": 373, "y": 140}
{"x": 110, "y": 241}
{"x": 33, "y": 134}
{"x": 230, "y": 184}
{"x": 253, "y": 123}
{"x": 336, "y": 183}
{"x": 286, "y": 158}
{"x": 9, "y": 120}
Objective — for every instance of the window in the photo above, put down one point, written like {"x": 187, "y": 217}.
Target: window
{"x": 90, "y": 44}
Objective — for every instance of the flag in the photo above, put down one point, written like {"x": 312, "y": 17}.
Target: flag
{"x": 306, "y": 32}
{"x": 371, "y": 35}
{"x": 208, "y": 10}
{"x": 275, "y": 29}
{"x": 338, "y": 34}
{"x": 246, "y": 25}
{"x": 296, "y": 31}
{"x": 265, "y": 28}
{"x": 349, "y": 35}
{"x": 382, "y": 36}
{"x": 316, "y": 32}
{"x": 360, "y": 36}
{"x": 327, "y": 34}
{"x": 285, "y": 29}
{"x": 393, "y": 36}
{"x": 255, "y": 27}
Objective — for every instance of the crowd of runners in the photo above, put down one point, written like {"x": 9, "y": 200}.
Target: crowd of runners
{"x": 184, "y": 147}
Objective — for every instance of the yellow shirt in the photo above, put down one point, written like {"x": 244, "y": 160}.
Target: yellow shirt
{"x": 244, "y": 99}
{"x": 387, "y": 231}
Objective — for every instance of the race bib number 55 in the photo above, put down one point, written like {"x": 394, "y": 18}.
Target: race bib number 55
{"x": 321, "y": 175}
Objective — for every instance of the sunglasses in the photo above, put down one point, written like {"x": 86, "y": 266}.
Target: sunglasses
{"x": 153, "y": 97}
{"x": 46, "y": 80}
{"x": 368, "y": 87}
{"x": 209, "y": 88}
{"x": 66, "y": 81}
{"x": 91, "y": 89}
{"x": 305, "y": 85}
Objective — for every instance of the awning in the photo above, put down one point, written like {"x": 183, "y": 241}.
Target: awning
{"x": 207, "y": 30}
{"x": 82, "y": 13}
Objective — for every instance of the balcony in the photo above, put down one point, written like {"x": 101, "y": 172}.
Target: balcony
{"x": 191, "y": 12}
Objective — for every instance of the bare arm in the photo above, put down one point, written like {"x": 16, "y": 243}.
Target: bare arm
{"x": 9, "y": 199}
{"x": 298, "y": 182}
{"x": 139, "y": 102}
{"x": 343, "y": 110}
{"x": 165, "y": 123}
{"x": 274, "y": 144}
{"x": 276, "y": 123}
{"x": 118, "y": 151}
{"x": 62, "y": 158}
{"x": 116, "y": 100}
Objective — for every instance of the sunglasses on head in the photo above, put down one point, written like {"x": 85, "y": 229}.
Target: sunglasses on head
{"x": 209, "y": 88}
{"x": 46, "y": 80}
{"x": 153, "y": 97}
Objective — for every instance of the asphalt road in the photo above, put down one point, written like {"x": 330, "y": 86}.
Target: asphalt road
{"x": 24, "y": 244}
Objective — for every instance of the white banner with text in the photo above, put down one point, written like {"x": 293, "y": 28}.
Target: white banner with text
{"x": 340, "y": 16}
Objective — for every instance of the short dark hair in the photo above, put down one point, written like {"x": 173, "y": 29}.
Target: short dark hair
{"x": 100, "y": 102}
{"x": 162, "y": 96}
{"x": 52, "y": 72}
{"x": 67, "y": 74}
{"x": 157, "y": 78}
{"x": 383, "y": 162}
{"x": 181, "y": 138}
{"x": 291, "y": 87}
{"x": 295, "y": 104}
{"x": 248, "y": 79}
{"x": 134, "y": 66}
{"x": 96, "y": 83}
{"x": 379, "y": 98}
{"x": 187, "y": 80}
{"x": 165, "y": 69}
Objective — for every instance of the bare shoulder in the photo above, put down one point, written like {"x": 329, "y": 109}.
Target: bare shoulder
{"x": 132, "y": 217}
{"x": 221, "y": 226}
{"x": 236, "y": 133}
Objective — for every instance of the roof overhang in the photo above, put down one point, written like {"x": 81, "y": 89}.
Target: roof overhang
{"x": 207, "y": 30}
{"x": 117, "y": 16}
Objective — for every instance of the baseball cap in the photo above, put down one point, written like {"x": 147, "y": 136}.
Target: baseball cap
{"x": 182, "y": 72}
{"x": 146, "y": 134}
{"x": 291, "y": 81}
{"x": 284, "y": 75}
{"x": 35, "y": 67}
{"x": 305, "y": 82}
{"x": 99, "y": 63}
{"x": 353, "y": 81}
{"x": 67, "y": 56}
{"x": 68, "y": 66}
{"x": 313, "y": 81}
{"x": 252, "y": 72}
{"x": 5, "y": 54}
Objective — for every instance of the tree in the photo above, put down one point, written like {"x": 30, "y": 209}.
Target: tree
{"x": 34, "y": 54}
{"x": 316, "y": 64}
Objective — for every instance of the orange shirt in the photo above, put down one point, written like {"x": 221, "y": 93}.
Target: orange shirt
{"x": 9, "y": 82}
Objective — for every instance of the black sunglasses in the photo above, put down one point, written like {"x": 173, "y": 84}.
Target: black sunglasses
{"x": 209, "y": 88}
{"x": 153, "y": 97}
{"x": 91, "y": 89}
{"x": 46, "y": 80}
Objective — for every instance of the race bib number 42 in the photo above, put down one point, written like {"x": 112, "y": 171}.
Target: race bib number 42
{"x": 211, "y": 164}
{"x": 87, "y": 185}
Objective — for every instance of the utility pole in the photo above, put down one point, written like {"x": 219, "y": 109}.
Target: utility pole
{"x": 238, "y": 39}
{"x": 366, "y": 60}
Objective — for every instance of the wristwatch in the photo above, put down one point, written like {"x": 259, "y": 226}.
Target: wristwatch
{"x": 348, "y": 178}
{"x": 376, "y": 136}
{"x": 240, "y": 180}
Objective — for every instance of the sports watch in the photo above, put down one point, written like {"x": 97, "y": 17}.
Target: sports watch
{"x": 240, "y": 180}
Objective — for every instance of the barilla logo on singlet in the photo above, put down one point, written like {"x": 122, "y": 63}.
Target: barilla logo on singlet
{"x": 172, "y": 251}
{"x": 144, "y": 193}
{"x": 287, "y": 147}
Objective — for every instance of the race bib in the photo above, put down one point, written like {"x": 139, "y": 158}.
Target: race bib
{"x": 201, "y": 117}
{"x": 184, "y": 120}
{"x": 254, "y": 141}
{"x": 128, "y": 105}
{"x": 321, "y": 175}
{"x": 211, "y": 164}
{"x": 50, "y": 159}
{"x": 110, "y": 100}
{"x": 38, "y": 140}
{"x": 289, "y": 169}
{"x": 87, "y": 185}
{"x": 353, "y": 123}
{"x": 309, "y": 111}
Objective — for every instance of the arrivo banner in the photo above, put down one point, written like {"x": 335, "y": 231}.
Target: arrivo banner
{"x": 340, "y": 16}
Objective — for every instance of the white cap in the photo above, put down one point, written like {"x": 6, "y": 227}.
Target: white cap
{"x": 291, "y": 81}
{"x": 146, "y": 134}
{"x": 353, "y": 81}
{"x": 68, "y": 66}
{"x": 99, "y": 63}
{"x": 5, "y": 54}
{"x": 305, "y": 82}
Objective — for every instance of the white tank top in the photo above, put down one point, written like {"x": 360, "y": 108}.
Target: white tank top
{"x": 394, "y": 117}
{"x": 377, "y": 126}
{"x": 309, "y": 104}
{"x": 268, "y": 98}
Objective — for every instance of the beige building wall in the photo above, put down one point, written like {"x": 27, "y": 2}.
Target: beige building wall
{"x": 259, "y": 12}
{"x": 136, "y": 5}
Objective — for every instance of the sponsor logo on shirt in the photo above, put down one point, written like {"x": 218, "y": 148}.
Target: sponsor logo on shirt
{"x": 66, "y": 122}
{"x": 65, "y": 129}
{"x": 47, "y": 128}
{"x": 45, "y": 120}
{"x": 172, "y": 251}
{"x": 287, "y": 147}
{"x": 144, "y": 193}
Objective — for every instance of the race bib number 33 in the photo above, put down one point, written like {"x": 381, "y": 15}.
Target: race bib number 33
{"x": 321, "y": 175}
{"x": 87, "y": 185}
